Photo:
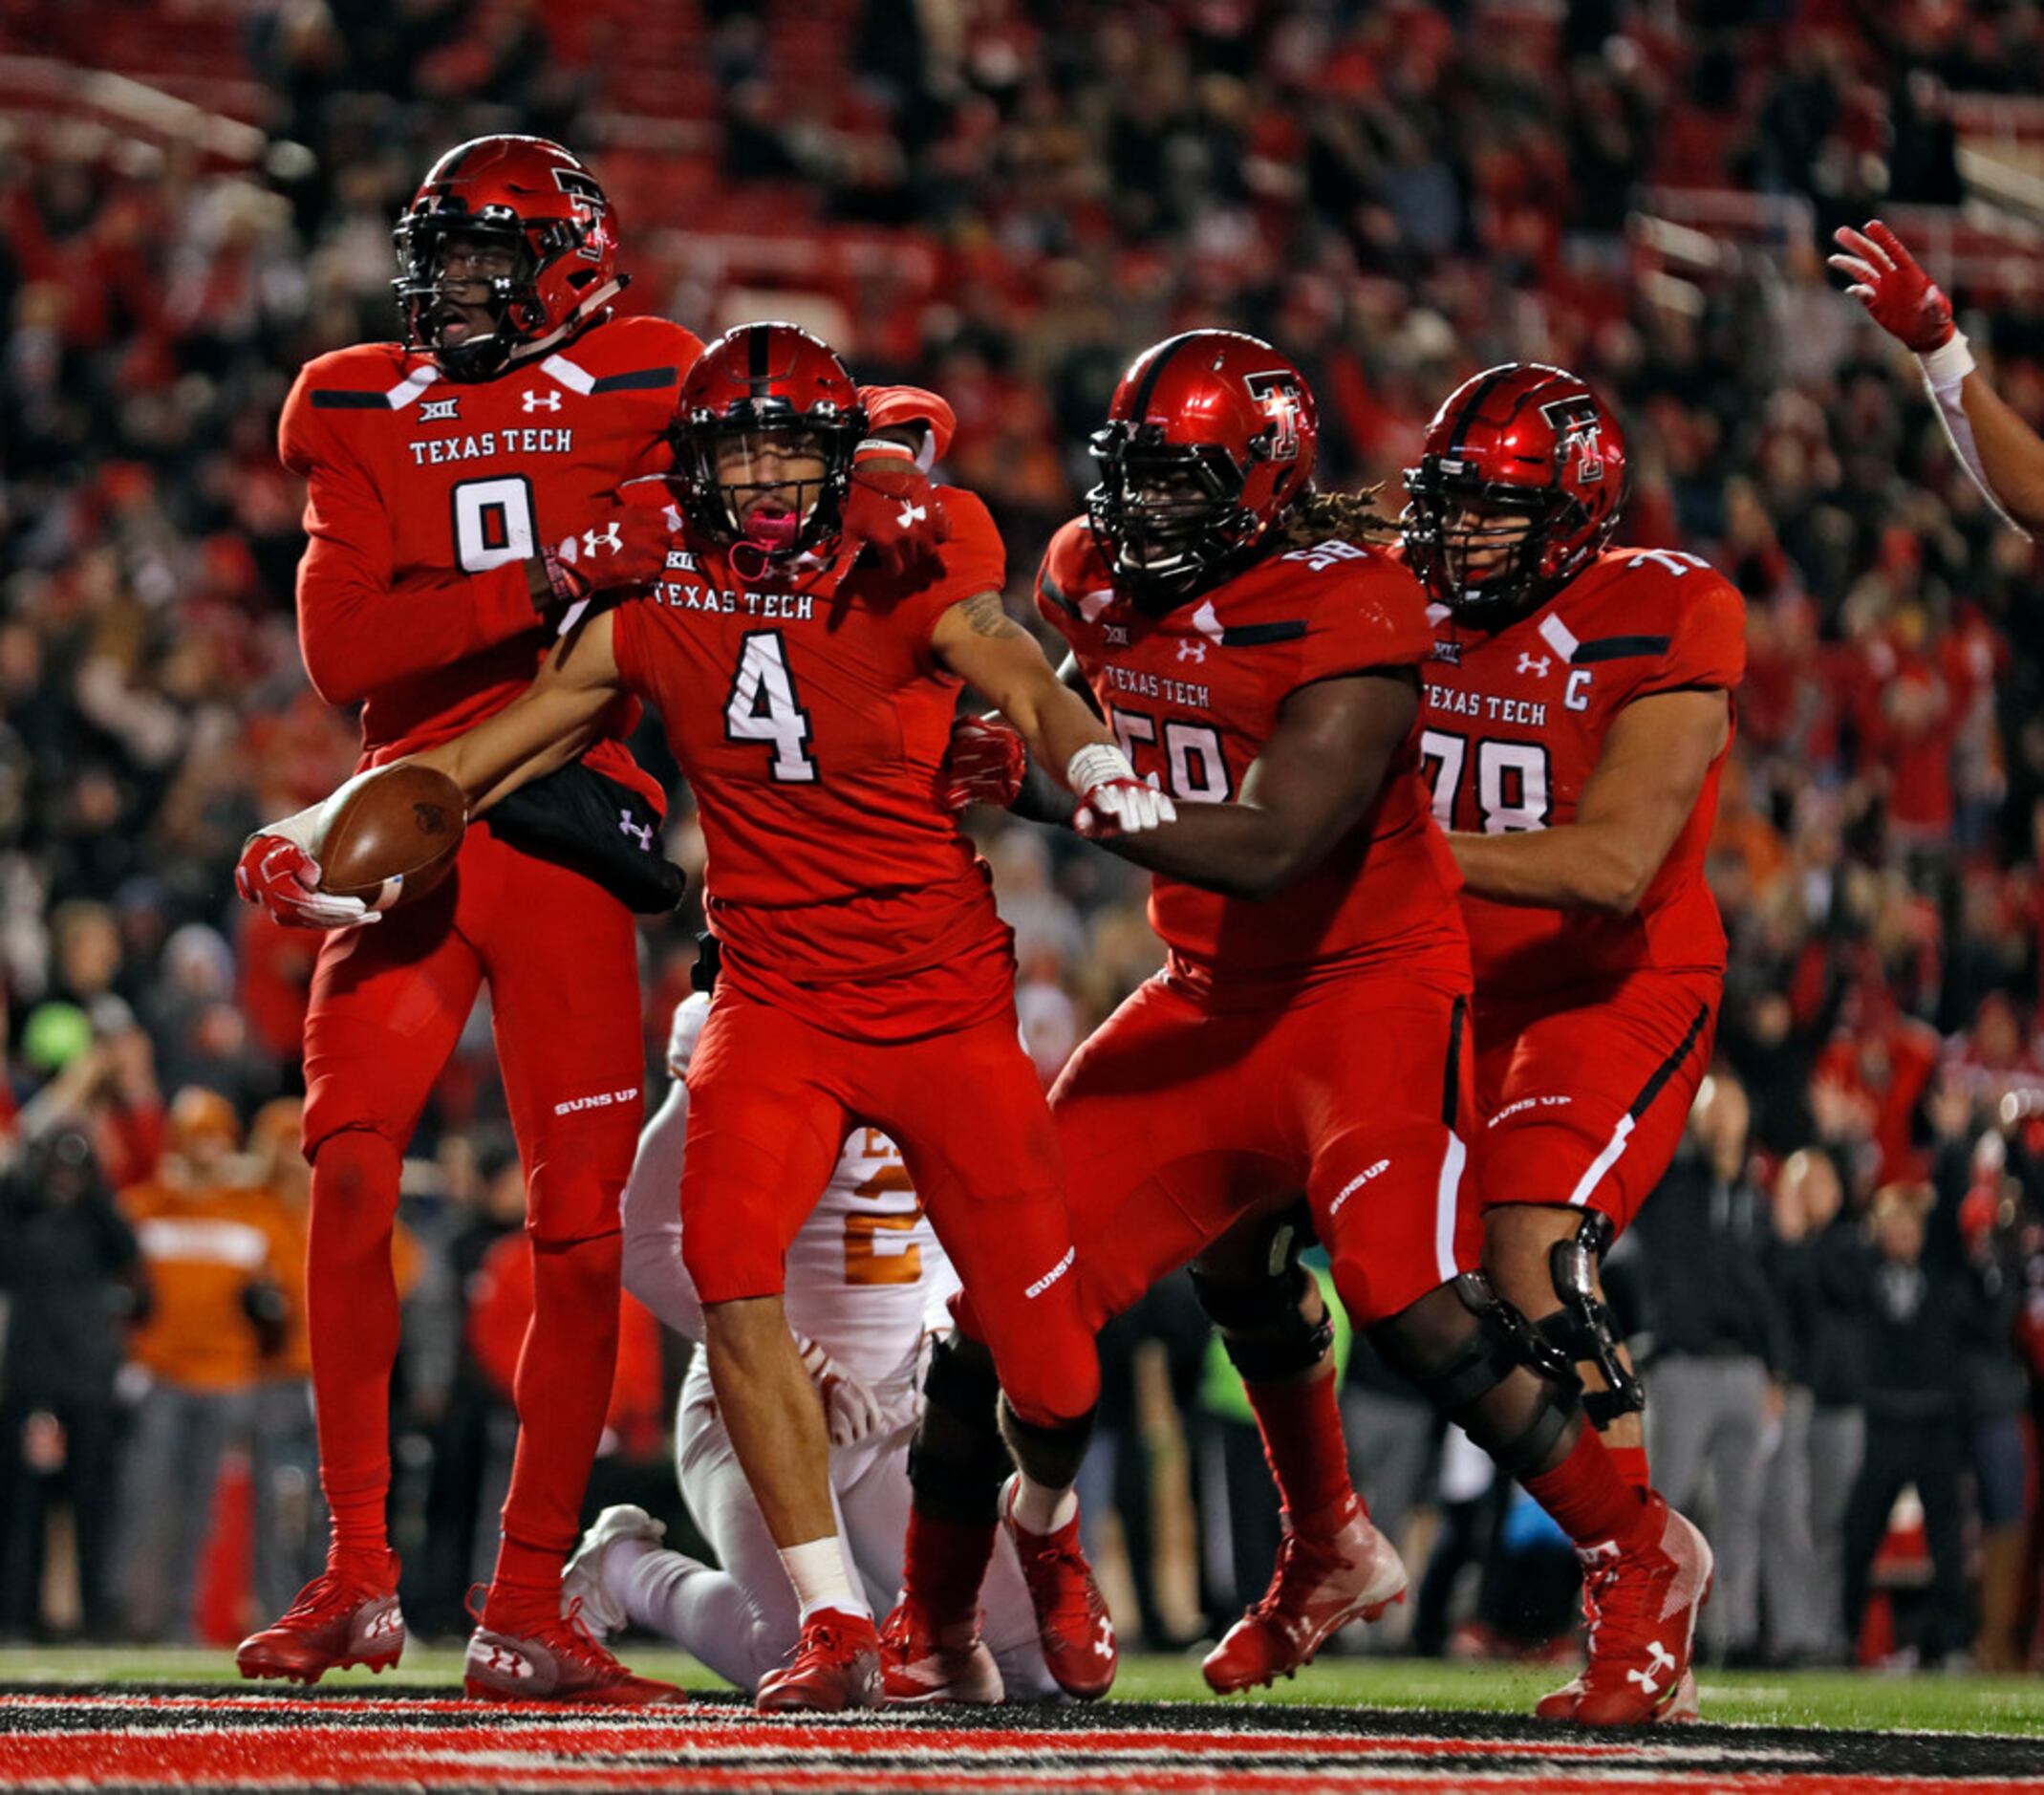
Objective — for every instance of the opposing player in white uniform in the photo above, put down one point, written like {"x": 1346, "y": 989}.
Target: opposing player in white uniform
{"x": 866, "y": 1284}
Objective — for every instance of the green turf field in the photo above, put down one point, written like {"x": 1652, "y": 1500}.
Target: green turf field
{"x": 1958, "y": 1704}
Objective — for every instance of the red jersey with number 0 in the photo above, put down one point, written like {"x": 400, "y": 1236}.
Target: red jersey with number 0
{"x": 1194, "y": 696}
{"x": 1514, "y": 726}
{"x": 424, "y": 498}
{"x": 811, "y": 721}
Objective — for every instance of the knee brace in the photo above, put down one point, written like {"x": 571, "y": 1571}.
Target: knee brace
{"x": 1262, "y": 1330}
{"x": 1050, "y": 1454}
{"x": 1462, "y": 1380}
{"x": 1583, "y": 1328}
{"x": 957, "y": 1460}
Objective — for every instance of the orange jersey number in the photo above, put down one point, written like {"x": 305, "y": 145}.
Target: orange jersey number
{"x": 864, "y": 1262}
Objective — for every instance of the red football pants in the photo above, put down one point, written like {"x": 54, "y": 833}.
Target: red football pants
{"x": 388, "y": 1003}
{"x": 771, "y": 1098}
{"x": 1176, "y": 1121}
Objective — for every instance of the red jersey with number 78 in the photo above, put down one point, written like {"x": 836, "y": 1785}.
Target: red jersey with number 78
{"x": 1194, "y": 696}
{"x": 811, "y": 720}
{"x": 1514, "y": 725}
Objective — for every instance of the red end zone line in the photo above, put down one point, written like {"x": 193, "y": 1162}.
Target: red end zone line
{"x": 244, "y": 1760}
{"x": 550, "y": 1726}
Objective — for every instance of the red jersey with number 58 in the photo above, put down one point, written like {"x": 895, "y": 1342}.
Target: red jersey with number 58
{"x": 1514, "y": 725}
{"x": 1194, "y": 696}
{"x": 811, "y": 718}
{"x": 425, "y": 497}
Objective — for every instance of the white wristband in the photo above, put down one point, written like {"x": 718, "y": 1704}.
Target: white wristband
{"x": 923, "y": 454}
{"x": 1947, "y": 364}
{"x": 1097, "y": 763}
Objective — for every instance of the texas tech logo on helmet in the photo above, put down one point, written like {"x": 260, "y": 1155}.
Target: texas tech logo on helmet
{"x": 1277, "y": 391}
{"x": 1578, "y": 429}
{"x": 590, "y": 205}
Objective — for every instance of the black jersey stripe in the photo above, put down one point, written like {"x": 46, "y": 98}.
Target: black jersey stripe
{"x": 1255, "y": 634}
{"x": 1048, "y": 588}
{"x": 1619, "y": 648}
{"x": 1668, "y": 1067}
{"x": 340, "y": 398}
{"x": 1451, "y": 1086}
{"x": 639, "y": 379}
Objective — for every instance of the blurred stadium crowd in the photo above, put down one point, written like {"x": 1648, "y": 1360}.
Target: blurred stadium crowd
{"x": 1842, "y": 1290}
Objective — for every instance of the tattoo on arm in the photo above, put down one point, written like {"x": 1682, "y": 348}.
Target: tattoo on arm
{"x": 987, "y": 617}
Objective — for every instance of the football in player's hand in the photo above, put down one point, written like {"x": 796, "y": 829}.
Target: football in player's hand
{"x": 389, "y": 835}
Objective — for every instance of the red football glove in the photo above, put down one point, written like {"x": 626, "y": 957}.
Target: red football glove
{"x": 1112, "y": 801}
{"x": 622, "y": 551}
{"x": 892, "y": 509}
{"x": 984, "y": 765}
{"x": 276, "y": 872}
{"x": 1898, "y": 295}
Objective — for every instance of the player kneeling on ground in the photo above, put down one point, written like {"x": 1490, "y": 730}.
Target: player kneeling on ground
{"x": 867, "y": 1283}
{"x": 1309, "y": 1030}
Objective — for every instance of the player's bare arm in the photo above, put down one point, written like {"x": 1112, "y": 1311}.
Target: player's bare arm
{"x": 1315, "y": 780}
{"x": 1648, "y": 780}
{"x": 979, "y": 642}
{"x": 547, "y": 725}
{"x": 2003, "y": 454}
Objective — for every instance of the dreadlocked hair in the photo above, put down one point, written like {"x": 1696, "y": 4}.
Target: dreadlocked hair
{"x": 1343, "y": 517}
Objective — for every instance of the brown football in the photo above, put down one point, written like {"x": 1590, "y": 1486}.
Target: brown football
{"x": 388, "y": 836}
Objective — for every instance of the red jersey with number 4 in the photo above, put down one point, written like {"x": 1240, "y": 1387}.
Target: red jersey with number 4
{"x": 1514, "y": 725}
{"x": 1194, "y": 696}
{"x": 811, "y": 721}
{"x": 425, "y": 497}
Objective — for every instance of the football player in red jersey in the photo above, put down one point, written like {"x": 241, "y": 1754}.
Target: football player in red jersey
{"x": 809, "y": 696}
{"x": 461, "y": 488}
{"x": 1308, "y": 1029}
{"x": 1578, "y": 713}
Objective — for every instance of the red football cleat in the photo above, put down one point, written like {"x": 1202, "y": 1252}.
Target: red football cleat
{"x": 1071, "y": 1618}
{"x": 561, "y": 1661}
{"x": 1329, "y": 1574}
{"x": 835, "y": 1664}
{"x": 921, "y": 1662}
{"x": 1642, "y": 1607}
{"x": 343, "y": 1618}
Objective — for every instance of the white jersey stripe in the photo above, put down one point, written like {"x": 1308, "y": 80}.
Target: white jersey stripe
{"x": 576, "y": 380}
{"x": 1558, "y": 636}
{"x": 1445, "y": 1194}
{"x": 411, "y": 386}
{"x": 1604, "y": 1162}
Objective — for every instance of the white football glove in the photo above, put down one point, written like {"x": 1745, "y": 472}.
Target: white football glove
{"x": 850, "y": 1409}
{"x": 1112, "y": 801}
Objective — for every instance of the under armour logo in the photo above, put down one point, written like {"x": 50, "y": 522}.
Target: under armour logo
{"x": 385, "y": 1622}
{"x": 1107, "y": 1633}
{"x": 1535, "y": 664}
{"x": 1661, "y": 1661}
{"x": 541, "y": 402}
{"x": 1192, "y": 650}
{"x": 513, "y": 1663}
{"x": 605, "y": 538}
{"x": 910, "y": 515}
{"x": 441, "y": 410}
{"x": 641, "y": 832}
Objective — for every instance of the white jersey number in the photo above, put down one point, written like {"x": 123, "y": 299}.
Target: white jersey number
{"x": 864, "y": 1261}
{"x": 1515, "y": 790}
{"x": 762, "y": 708}
{"x": 1196, "y": 769}
{"x": 493, "y": 523}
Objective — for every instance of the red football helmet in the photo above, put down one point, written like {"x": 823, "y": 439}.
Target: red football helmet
{"x": 538, "y": 200}
{"x": 1520, "y": 482}
{"x": 1211, "y": 434}
{"x": 762, "y": 401}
